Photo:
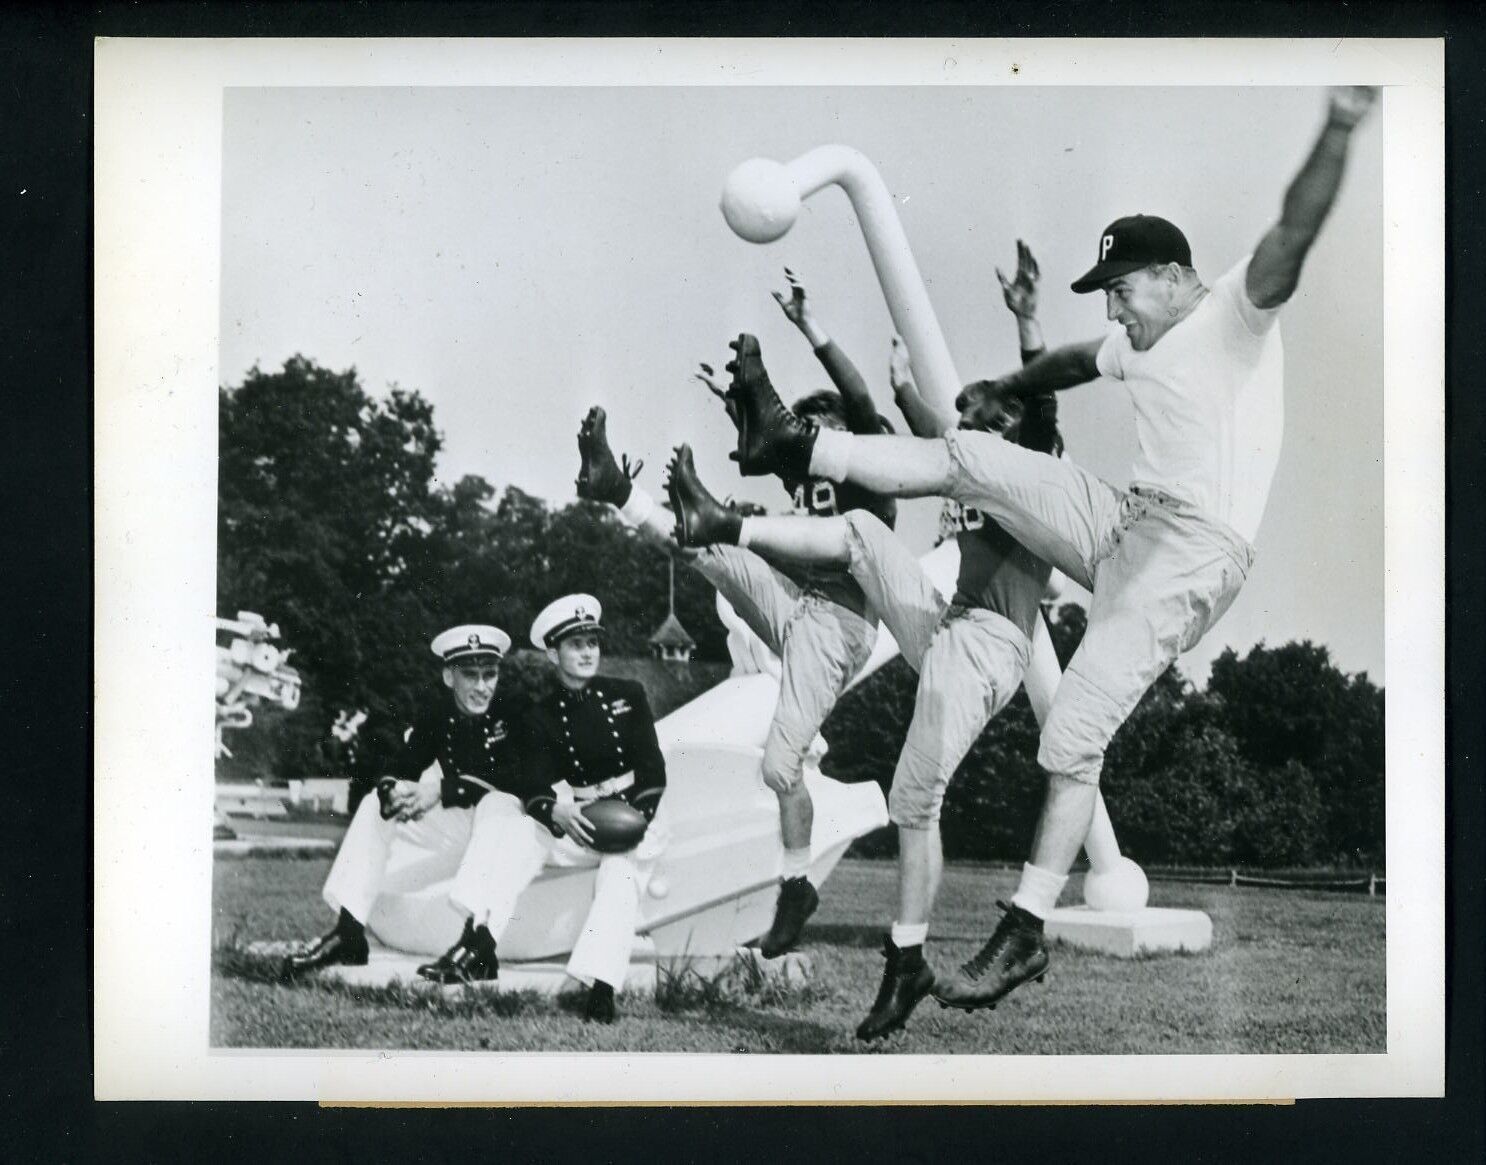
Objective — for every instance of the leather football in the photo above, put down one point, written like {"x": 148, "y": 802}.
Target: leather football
{"x": 617, "y": 825}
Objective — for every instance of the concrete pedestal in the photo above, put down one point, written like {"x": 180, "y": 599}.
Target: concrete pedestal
{"x": 1126, "y": 934}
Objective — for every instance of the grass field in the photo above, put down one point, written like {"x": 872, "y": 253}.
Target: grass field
{"x": 1289, "y": 971}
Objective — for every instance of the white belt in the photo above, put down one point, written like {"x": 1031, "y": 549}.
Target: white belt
{"x": 585, "y": 793}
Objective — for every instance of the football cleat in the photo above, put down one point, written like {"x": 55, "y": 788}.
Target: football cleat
{"x": 771, "y": 439}
{"x": 600, "y": 477}
{"x": 1014, "y": 954}
{"x": 904, "y": 984}
{"x": 796, "y": 903}
{"x": 701, "y": 520}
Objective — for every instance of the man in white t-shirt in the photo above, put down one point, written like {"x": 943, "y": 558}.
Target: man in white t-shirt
{"x": 1164, "y": 558}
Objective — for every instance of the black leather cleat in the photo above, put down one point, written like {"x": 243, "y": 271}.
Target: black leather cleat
{"x": 338, "y": 948}
{"x": 796, "y": 903}
{"x": 903, "y": 986}
{"x": 701, "y": 520}
{"x": 771, "y": 439}
{"x": 600, "y": 477}
{"x": 599, "y": 1007}
{"x": 470, "y": 960}
{"x": 1015, "y": 954}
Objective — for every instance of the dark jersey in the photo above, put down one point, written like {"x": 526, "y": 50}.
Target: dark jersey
{"x": 590, "y": 736}
{"x": 475, "y": 753}
{"x": 821, "y": 498}
{"x": 997, "y": 573}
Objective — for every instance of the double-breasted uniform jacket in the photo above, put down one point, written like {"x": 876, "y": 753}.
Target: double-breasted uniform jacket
{"x": 592, "y": 736}
{"x": 477, "y": 754}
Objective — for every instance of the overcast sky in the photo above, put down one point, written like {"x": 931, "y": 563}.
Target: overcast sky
{"x": 519, "y": 254}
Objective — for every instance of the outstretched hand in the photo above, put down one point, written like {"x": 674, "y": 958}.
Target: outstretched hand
{"x": 1351, "y": 103}
{"x": 708, "y": 377}
{"x": 1020, "y": 292}
{"x": 795, "y": 308}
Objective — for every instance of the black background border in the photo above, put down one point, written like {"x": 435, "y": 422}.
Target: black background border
{"x": 45, "y": 857}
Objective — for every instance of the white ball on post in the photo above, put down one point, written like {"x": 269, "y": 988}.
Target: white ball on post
{"x": 1120, "y": 886}
{"x": 760, "y": 200}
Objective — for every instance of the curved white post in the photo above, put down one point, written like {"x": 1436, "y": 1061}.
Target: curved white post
{"x": 760, "y": 201}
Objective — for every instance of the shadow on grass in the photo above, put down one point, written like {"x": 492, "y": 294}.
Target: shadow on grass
{"x": 870, "y": 937}
{"x": 232, "y": 960}
{"x": 782, "y": 1033}
{"x": 839, "y": 934}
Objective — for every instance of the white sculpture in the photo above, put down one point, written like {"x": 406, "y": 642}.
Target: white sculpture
{"x": 760, "y": 201}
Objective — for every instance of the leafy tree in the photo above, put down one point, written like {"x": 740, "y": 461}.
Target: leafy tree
{"x": 1280, "y": 818}
{"x": 1181, "y": 810}
{"x": 1292, "y": 703}
{"x": 325, "y": 499}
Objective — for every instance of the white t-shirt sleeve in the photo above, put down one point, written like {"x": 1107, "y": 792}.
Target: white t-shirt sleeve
{"x": 1232, "y": 291}
{"x": 1110, "y": 359}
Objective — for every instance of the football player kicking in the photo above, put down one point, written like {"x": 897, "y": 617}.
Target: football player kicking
{"x": 970, "y": 652}
{"x": 1163, "y": 558}
{"x": 812, "y": 615}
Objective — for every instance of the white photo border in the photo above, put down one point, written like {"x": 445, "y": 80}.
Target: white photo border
{"x": 158, "y": 156}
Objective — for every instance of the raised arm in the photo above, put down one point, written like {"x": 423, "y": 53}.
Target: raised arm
{"x": 1020, "y": 294}
{"x": 1274, "y": 270}
{"x": 861, "y": 413}
{"x": 923, "y": 420}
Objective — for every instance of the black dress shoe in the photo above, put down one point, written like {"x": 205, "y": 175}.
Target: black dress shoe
{"x": 796, "y": 903}
{"x": 599, "y": 1007}
{"x": 339, "y": 947}
{"x": 701, "y": 520}
{"x": 904, "y": 983}
{"x": 771, "y": 439}
{"x": 470, "y": 960}
{"x": 600, "y": 477}
{"x": 1016, "y": 953}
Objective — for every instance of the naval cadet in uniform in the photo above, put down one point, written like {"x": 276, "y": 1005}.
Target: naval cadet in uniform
{"x": 594, "y": 737}
{"x": 453, "y": 797}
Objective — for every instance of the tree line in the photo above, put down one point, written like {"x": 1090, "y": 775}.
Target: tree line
{"x": 332, "y": 522}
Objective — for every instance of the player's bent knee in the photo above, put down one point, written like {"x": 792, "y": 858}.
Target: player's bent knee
{"x": 912, "y": 808}
{"x": 782, "y": 780}
{"x": 1062, "y": 754}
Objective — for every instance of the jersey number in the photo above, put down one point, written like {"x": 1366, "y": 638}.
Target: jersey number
{"x": 816, "y": 497}
{"x": 970, "y": 518}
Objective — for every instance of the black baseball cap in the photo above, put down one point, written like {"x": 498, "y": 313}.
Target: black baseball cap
{"x": 1133, "y": 242}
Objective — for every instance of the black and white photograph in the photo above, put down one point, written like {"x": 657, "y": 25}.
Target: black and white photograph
{"x": 923, "y": 556}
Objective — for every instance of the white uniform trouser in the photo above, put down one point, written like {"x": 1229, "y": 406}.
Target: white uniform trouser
{"x": 474, "y": 846}
{"x": 1161, "y": 573}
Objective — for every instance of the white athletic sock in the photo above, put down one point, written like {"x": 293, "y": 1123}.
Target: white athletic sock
{"x": 639, "y": 507}
{"x": 1038, "y": 891}
{"x": 744, "y": 534}
{"x": 831, "y": 455}
{"x": 796, "y": 862}
{"x": 909, "y": 936}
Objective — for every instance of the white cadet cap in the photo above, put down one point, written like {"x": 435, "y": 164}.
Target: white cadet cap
{"x": 567, "y": 615}
{"x": 469, "y": 641}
